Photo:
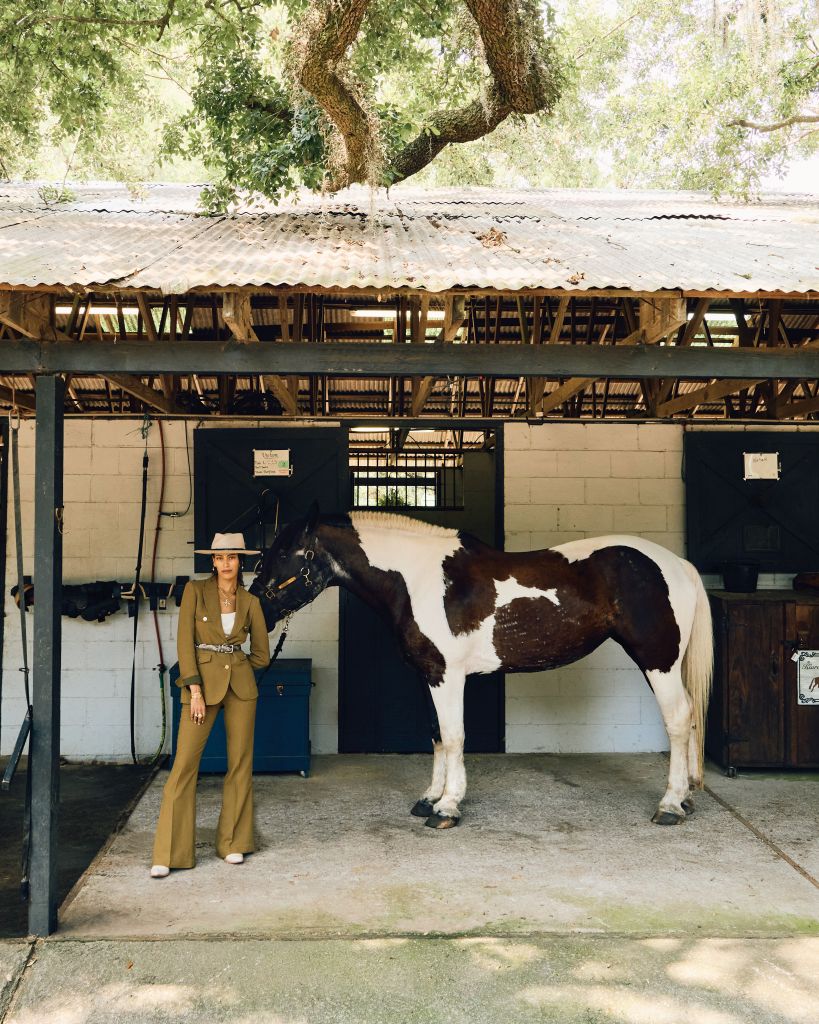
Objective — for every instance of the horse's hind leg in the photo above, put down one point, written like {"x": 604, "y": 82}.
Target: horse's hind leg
{"x": 449, "y": 705}
{"x": 675, "y": 707}
{"x": 694, "y": 771}
{"x": 423, "y": 807}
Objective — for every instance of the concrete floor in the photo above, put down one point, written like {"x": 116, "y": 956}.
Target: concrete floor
{"x": 555, "y": 900}
{"x": 85, "y": 823}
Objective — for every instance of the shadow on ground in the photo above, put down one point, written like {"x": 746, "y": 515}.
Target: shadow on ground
{"x": 93, "y": 799}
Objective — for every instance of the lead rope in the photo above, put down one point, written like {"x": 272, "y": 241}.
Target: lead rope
{"x": 282, "y": 636}
{"x": 25, "y": 729}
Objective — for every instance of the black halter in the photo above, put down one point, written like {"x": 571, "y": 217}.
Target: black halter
{"x": 303, "y": 576}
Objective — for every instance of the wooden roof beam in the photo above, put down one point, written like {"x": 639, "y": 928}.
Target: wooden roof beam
{"x": 12, "y": 397}
{"x": 236, "y": 312}
{"x": 454, "y": 319}
{"x": 150, "y": 396}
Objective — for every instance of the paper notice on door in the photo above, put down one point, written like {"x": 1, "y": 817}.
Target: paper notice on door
{"x": 761, "y": 465}
{"x": 808, "y": 672}
{"x": 271, "y": 462}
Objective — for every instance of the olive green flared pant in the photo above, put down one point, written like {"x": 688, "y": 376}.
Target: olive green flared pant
{"x": 175, "y": 841}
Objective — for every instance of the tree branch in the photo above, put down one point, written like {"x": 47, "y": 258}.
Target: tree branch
{"x": 796, "y": 119}
{"x": 465, "y": 124}
{"x": 512, "y": 51}
{"x": 522, "y": 83}
{"x": 331, "y": 27}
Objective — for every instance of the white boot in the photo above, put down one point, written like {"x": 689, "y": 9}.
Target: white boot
{"x": 235, "y": 858}
{"x": 159, "y": 871}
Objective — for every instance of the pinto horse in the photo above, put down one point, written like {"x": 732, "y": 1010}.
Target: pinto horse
{"x": 460, "y": 606}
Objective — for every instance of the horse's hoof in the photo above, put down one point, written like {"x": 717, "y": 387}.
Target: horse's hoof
{"x": 667, "y": 818}
{"x": 441, "y": 821}
{"x": 688, "y": 807}
{"x": 422, "y": 808}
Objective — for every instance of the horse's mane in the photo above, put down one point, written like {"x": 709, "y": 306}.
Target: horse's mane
{"x": 390, "y": 521}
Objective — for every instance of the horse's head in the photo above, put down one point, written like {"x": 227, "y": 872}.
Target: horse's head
{"x": 294, "y": 569}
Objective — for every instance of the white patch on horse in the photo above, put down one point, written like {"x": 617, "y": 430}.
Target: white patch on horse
{"x": 509, "y": 589}
{"x": 419, "y": 558}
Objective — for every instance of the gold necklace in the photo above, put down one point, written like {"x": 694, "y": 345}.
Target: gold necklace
{"x": 226, "y": 596}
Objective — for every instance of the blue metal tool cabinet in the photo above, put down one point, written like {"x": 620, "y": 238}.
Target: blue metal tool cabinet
{"x": 282, "y": 738}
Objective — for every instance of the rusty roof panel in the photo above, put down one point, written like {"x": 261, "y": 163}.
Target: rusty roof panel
{"x": 433, "y": 240}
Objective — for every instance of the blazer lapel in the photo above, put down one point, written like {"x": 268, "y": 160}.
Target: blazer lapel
{"x": 242, "y": 606}
{"x": 212, "y": 603}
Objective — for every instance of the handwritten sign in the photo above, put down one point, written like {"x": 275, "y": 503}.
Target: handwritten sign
{"x": 808, "y": 669}
{"x": 271, "y": 462}
{"x": 761, "y": 465}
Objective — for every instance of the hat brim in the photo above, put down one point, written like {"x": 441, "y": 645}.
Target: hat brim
{"x": 222, "y": 551}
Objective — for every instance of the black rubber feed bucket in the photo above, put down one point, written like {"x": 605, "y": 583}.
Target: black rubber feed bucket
{"x": 740, "y": 577}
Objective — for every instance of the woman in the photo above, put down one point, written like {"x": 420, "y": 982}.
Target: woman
{"x": 215, "y": 617}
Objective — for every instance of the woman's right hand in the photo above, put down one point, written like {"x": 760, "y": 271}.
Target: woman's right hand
{"x": 197, "y": 707}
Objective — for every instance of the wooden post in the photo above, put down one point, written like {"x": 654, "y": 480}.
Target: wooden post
{"x": 45, "y": 734}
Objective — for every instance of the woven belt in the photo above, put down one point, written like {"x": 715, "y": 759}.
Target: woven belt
{"x": 220, "y": 648}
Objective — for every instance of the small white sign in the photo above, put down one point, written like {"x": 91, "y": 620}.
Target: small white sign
{"x": 761, "y": 465}
{"x": 808, "y": 669}
{"x": 271, "y": 462}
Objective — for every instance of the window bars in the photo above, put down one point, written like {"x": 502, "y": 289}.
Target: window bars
{"x": 398, "y": 481}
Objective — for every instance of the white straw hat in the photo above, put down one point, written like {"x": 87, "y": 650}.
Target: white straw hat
{"x": 227, "y": 542}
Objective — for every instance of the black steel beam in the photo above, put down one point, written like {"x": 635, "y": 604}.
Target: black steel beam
{"x": 630, "y": 362}
{"x": 358, "y": 359}
{"x": 45, "y": 733}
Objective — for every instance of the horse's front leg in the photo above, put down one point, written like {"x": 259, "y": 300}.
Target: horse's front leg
{"x": 449, "y": 706}
{"x": 423, "y": 807}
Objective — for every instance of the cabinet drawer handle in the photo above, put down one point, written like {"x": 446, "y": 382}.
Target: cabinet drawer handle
{"x": 280, "y": 689}
{"x": 774, "y": 663}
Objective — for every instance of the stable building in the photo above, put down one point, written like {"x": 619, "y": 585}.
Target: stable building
{"x": 531, "y": 366}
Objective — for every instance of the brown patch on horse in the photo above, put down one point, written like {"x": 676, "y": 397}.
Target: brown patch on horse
{"x": 646, "y": 626}
{"x": 533, "y": 633}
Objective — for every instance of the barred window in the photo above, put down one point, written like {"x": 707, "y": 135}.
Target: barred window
{"x": 411, "y": 480}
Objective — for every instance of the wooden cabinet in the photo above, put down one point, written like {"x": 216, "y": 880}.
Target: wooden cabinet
{"x": 754, "y": 719}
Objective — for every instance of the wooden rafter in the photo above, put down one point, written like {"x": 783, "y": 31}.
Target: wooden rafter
{"x": 236, "y": 312}
{"x": 150, "y": 396}
{"x": 454, "y": 319}
{"x": 537, "y": 385}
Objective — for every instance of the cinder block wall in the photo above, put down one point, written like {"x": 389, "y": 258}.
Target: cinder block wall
{"x": 566, "y": 481}
{"x": 102, "y": 492}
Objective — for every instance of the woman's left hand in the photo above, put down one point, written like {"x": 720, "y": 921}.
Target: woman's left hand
{"x": 198, "y": 710}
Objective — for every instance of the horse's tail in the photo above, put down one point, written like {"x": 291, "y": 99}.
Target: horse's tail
{"x": 698, "y": 664}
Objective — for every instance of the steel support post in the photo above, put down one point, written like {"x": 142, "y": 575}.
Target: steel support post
{"x": 45, "y": 736}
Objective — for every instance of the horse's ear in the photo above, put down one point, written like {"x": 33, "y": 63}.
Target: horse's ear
{"x": 311, "y": 518}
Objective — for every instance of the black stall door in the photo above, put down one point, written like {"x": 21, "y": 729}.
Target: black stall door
{"x": 229, "y": 499}
{"x": 382, "y": 702}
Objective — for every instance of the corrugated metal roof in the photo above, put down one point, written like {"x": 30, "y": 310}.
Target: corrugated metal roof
{"x": 434, "y": 240}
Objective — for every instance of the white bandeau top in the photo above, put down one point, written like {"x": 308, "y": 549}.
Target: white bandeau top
{"x": 228, "y": 618}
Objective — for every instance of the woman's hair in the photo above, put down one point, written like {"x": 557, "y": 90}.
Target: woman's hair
{"x": 239, "y": 578}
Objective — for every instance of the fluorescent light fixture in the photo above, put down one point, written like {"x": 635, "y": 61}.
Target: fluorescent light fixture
{"x": 390, "y": 314}
{"x": 718, "y": 316}
{"x": 99, "y": 310}
{"x": 369, "y": 430}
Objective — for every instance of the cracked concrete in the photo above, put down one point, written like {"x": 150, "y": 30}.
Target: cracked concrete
{"x": 556, "y": 900}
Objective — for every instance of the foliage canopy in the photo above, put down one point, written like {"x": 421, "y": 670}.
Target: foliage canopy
{"x": 263, "y": 96}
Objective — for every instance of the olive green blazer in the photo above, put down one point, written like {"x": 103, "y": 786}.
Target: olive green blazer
{"x": 200, "y": 621}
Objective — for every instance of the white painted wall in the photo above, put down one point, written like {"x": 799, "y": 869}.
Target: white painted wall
{"x": 565, "y": 481}
{"x": 102, "y": 492}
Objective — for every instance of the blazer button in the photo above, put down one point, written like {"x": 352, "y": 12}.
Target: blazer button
{"x": 204, "y": 618}
{"x": 227, "y": 666}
